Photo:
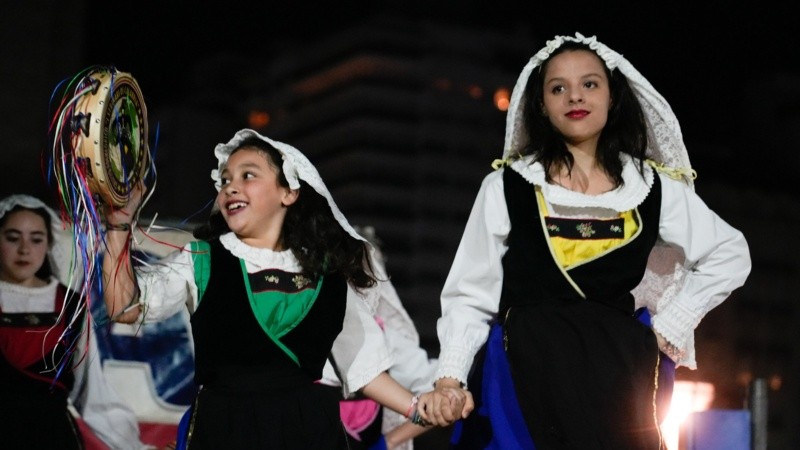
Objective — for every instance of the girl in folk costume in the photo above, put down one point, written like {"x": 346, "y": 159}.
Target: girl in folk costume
{"x": 590, "y": 215}
{"x": 371, "y": 426}
{"x": 49, "y": 358}
{"x": 279, "y": 282}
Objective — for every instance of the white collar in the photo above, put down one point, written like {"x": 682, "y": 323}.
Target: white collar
{"x": 20, "y": 289}
{"x": 262, "y": 258}
{"x": 624, "y": 198}
{"x": 16, "y": 298}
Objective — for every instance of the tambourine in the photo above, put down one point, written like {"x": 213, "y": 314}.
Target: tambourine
{"x": 109, "y": 128}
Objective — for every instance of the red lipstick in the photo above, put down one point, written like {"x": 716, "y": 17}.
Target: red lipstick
{"x": 577, "y": 114}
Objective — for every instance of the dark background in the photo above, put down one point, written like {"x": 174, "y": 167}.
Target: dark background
{"x": 707, "y": 60}
{"x": 730, "y": 72}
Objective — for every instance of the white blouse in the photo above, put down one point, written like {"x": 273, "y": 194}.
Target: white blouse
{"x": 98, "y": 404}
{"x": 360, "y": 349}
{"x": 717, "y": 258}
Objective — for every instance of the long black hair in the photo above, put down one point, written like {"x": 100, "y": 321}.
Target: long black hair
{"x": 309, "y": 230}
{"x": 625, "y": 130}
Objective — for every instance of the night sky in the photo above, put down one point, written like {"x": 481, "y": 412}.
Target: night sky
{"x": 706, "y": 61}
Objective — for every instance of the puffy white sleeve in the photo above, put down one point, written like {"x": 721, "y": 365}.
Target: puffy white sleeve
{"x": 360, "y": 351}
{"x": 471, "y": 293}
{"x": 412, "y": 368}
{"x": 717, "y": 262}
{"x": 167, "y": 285}
{"x": 103, "y": 410}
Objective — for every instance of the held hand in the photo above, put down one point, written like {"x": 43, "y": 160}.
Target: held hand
{"x": 447, "y": 403}
{"x": 434, "y": 408}
{"x": 461, "y": 400}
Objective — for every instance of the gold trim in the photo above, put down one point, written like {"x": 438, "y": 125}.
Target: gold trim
{"x": 564, "y": 270}
{"x": 542, "y": 209}
{"x": 624, "y": 243}
{"x": 195, "y": 407}
{"x": 655, "y": 400}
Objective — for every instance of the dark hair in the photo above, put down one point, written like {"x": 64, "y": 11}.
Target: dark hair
{"x": 45, "y": 271}
{"x": 625, "y": 130}
{"x": 310, "y": 231}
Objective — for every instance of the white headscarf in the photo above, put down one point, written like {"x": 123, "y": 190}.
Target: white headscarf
{"x": 65, "y": 268}
{"x": 295, "y": 167}
{"x": 665, "y": 272}
{"x": 665, "y": 141}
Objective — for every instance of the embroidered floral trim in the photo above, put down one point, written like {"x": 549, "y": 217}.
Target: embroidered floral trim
{"x": 271, "y": 279}
{"x": 300, "y": 281}
{"x": 585, "y": 229}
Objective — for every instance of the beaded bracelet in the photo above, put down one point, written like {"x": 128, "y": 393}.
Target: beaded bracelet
{"x": 118, "y": 227}
{"x": 416, "y": 419}
{"x": 412, "y": 406}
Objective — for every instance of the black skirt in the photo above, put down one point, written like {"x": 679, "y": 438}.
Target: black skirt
{"x": 586, "y": 376}
{"x": 287, "y": 413}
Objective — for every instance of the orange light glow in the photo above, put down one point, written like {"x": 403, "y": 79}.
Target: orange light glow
{"x": 502, "y": 98}
{"x": 443, "y": 84}
{"x": 687, "y": 397}
{"x": 475, "y": 92}
{"x": 258, "y": 119}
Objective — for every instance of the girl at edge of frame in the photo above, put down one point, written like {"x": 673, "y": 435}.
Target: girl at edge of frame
{"x": 36, "y": 307}
{"x": 276, "y": 249}
{"x": 586, "y": 263}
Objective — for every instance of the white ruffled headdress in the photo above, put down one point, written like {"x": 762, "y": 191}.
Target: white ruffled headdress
{"x": 665, "y": 271}
{"x": 665, "y": 141}
{"x": 295, "y": 167}
{"x": 64, "y": 267}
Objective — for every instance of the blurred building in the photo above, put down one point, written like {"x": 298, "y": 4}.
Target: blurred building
{"x": 755, "y": 334}
{"x": 403, "y": 119}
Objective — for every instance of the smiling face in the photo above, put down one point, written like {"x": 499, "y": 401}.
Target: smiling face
{"x": 577, "y": 96}
{"x": 252, "y": 200}
{"x": 23, "y": 247}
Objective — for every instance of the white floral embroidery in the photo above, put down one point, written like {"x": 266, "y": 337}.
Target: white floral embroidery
{"x": 300, "y": 281}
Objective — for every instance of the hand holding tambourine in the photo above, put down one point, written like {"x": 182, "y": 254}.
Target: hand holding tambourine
{"x": 98, "y": 161}
{"x": 122, "y": 218}
{"x": 109, "y": 133}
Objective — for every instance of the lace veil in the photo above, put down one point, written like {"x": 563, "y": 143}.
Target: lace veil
{"x": 295, "y": 166}
{"x": 665, "y": 270}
